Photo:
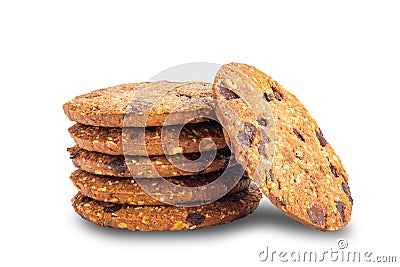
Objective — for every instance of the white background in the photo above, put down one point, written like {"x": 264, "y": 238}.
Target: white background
{"x": 341, "y": 58}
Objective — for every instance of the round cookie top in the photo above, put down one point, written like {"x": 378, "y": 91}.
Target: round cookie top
{"x": 149, "y": 103}
{"x": 306, "y": 179}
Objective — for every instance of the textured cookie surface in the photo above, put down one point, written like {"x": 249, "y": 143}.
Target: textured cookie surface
{"x": 109, "y": 106}
{"x": 147, "y": 167}
{"x": 167, "y": 218}
{"x": 307, "y": 180}
{"x": 109, "y": 140}
{"x": 126, "y": 191}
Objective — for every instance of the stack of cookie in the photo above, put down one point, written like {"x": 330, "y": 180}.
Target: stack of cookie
{"x": 128, "y": 137}
{"x": 131, "y": 131}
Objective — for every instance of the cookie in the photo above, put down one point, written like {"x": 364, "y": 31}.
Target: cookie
{"x": 109, "y": 140}
{"x": 167, "y": 218}
{"x": 107, "y": 107}
{"x": 306, "y": 180}
{"x": 146, "y": 167}
{"x": 126, "y": 191}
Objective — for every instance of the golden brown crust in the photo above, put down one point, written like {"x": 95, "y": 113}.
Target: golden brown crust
{"x": 167, "y": 218}
{"x": 307, "y": 179}
{"x": 109, "y": 140}
{"x": 127, "y": 191}
{"x": 108, "y": 107}
{"x": 144, "y": 167}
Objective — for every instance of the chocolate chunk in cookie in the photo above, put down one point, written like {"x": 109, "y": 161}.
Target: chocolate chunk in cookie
{"x": 303, "y": 169}
{"x": 168, "y": 218}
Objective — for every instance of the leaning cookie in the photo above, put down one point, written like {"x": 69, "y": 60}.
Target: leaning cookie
{"x": 127, "y": 191}
{"x": 149, "y": 103}
{"x": 167, "y": 218}
{"x": 118, "y": 141}
{"x": 306, "y": 180}
{"x": 148, "y": 167}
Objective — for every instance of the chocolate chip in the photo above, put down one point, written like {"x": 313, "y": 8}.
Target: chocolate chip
{"x": 250, "y": 130}
{"x": 262, "y": 121}
{"x": 321, "y": 138}
{"x": 271, "y": 175}
{"x": 268, "y": 97}
{"x": 195, "y": 218}
{"x": 262, "y": 149}
{"x": 246, "y": 136}
{"x": 278, "y": 95}
{"x": 86, "y": 199}
{"x": 316, "y": 214}
{"x": 282, "y": 203}
{"x": 346, "y": 189}
{"x": 133, "y": 136}
{"x": 73, "y": 153}
{"x": 111, "y": 207}
{"x": 226, "y": 93}
{"x": 334, "y": 171}
{"x": 243, "y": 139}
{"x": 264, "y": 136}
{"x": 298, "y": 135}
{"x": 118, "y": 164}
{"x": 340, "y": 207}
{"x": 262, "y": 144}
